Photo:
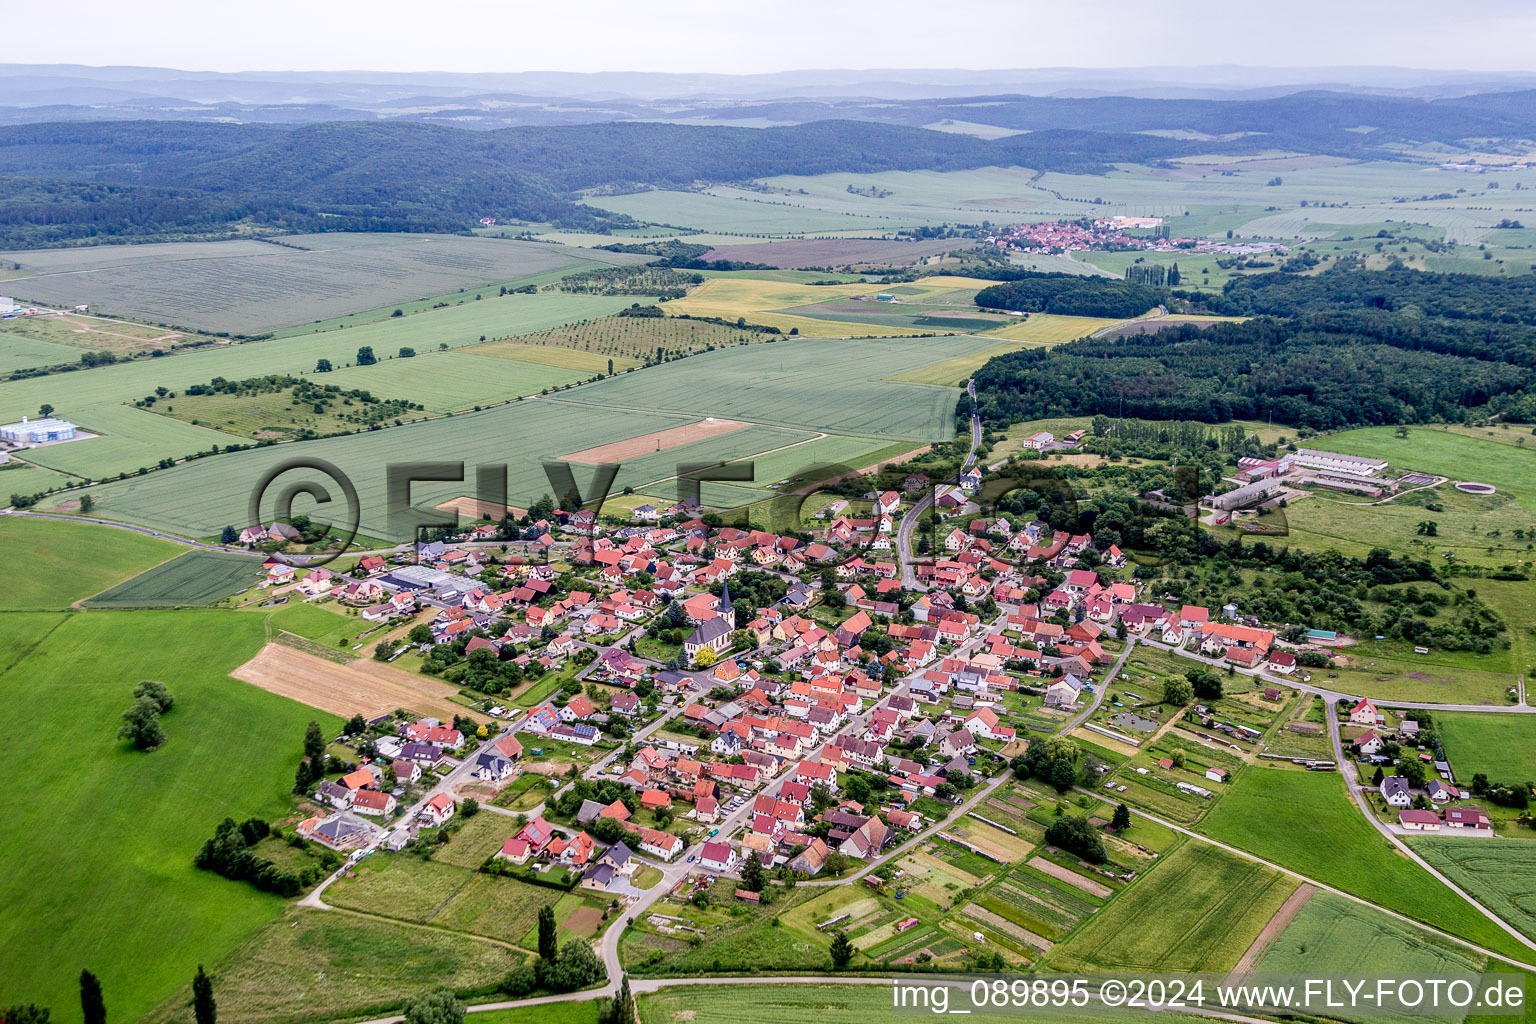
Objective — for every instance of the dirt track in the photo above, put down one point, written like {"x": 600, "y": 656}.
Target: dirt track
{"x": 361, "y": 687}
{"x": 661, "y": 440}
{"x": 1277, "y": 924}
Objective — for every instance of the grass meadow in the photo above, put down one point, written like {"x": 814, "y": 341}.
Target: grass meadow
{"x": 1501, "y": 746}
{"x": 52, "y": 564}
{"x": 1305, "y": 821}
{"x": 317, "y": 966}
{"x": 99, "y": 843}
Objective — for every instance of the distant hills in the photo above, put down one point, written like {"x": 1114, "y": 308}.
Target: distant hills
{"x": 365, "y": 151}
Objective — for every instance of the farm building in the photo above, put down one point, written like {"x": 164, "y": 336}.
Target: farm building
{"x": 37, "y": 431}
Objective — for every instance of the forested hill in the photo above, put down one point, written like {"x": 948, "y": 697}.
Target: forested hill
{"x": 156, "y": 179}
{"x": 1337, "y": 349}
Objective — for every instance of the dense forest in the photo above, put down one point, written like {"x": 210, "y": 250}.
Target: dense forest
{"x": 1070, "y": 295}
{"x": 1337, "y": 349}
{"x": 139, "y": 179}
{"x": 1500, "y": 300}
{"x": 1294, "y": 372}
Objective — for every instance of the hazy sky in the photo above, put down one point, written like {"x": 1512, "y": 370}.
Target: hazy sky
{"x": 768, "y": 35}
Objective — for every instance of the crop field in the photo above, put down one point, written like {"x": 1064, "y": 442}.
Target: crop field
{"x": 627, "y": 340}
{"x": 827, "y": 1004}
{"x": 1305, "y": 821}
{"x": 656, "y": 441}
{"x": 246, "y": 286}
{"x": 953, "y": 372}
{"x": 19, "y": 478}
{"x": 1500, "y": 875}
{"x": 1357, "y": 940}
{"x": 51, "y": 563}
{"x": 135, "y": 817}
{"x": 1052, "y": 328}
{"x": 801, "y": 383}
{"x": 454, "y": 381}
{"x": 313, "y": 965}
{"x": 135, "y": 437}
{"x": 837, "y": 252}
{"x": 740, "y": 212}
{"x": 197, "y": 577}
{"x": 1501, "y": 746}
{"x": 362, "y": 687}
{"x": 20, "y": 353}
{"x": 831, "y": 311}
{"x": 1197, "y": 910}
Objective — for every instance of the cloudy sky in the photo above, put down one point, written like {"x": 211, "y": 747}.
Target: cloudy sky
{"x": 768, "y": 35}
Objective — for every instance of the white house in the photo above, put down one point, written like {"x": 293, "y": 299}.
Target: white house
{"x": 717, "y": 856}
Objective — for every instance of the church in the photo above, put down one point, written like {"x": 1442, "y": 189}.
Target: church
{"x": 714, "y": 632}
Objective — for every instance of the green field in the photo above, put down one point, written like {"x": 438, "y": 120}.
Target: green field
{"x": 1338, "y": 936}
{"x": 1501, "y": 746}
{"x": 19, "y": 353}
{"x": 315, "y": 966}
{"x": 51, "y": 563}
{"x": 104, "y": 811}
{"x": 826, "y": 1004}
{"x": 796, "y": 384}
{"x": 1198, "y": 909}
{"x": 131, "y": 437}
{"x": 197, "y": 577}
{"x": 1501, "y": 875}
{"x": 1306, "y": 822}
{"x": 454, "y": 381}
{"x": 248, "y": 286}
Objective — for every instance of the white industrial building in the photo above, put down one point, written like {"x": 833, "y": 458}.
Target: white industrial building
{"x": 37, "y": 431}
{"x": 1334, "y": 462}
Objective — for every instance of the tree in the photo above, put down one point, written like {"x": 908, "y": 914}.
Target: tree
{"x": 842, "y": 950}
{"x": 323, "y": 366}
{"x": 438, "y": 1007}
{"x": 1063, "y": 774}
{"x": 548, "y": 947}
{"x": 706, "y": 657}
{"x": 421, "y": 634}
{"x": 204, "y": 1009}
{"x": 141, "y": 724}
{"x": 469, "y": 808}
{"x": 45, "y": 410}
{"x": 155, "y": 692}
{"x": 752, "y": 876}
{"x": 1428, "y": 528}
{"x": 1377, "y": 776}
{"x": 29, "y": 1013}
{"x": 621, "y": 1009}
{"x": 1205, "y": 683}
{"x": 356, "y": 725}
{"x": 228, "y": 535}
{"x": 365, "y": 356}
{"x": 1061, "y": 748}
{"x": 1122, "y": 818}
{"x": 314, "y": 743}
{"x": 87, "y": 502}
{"x": 406, "y": 352}
{"x": 1178, "y": 692}
{"x": 92, "y": 1006}
{"x": 1076, "y": 834}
